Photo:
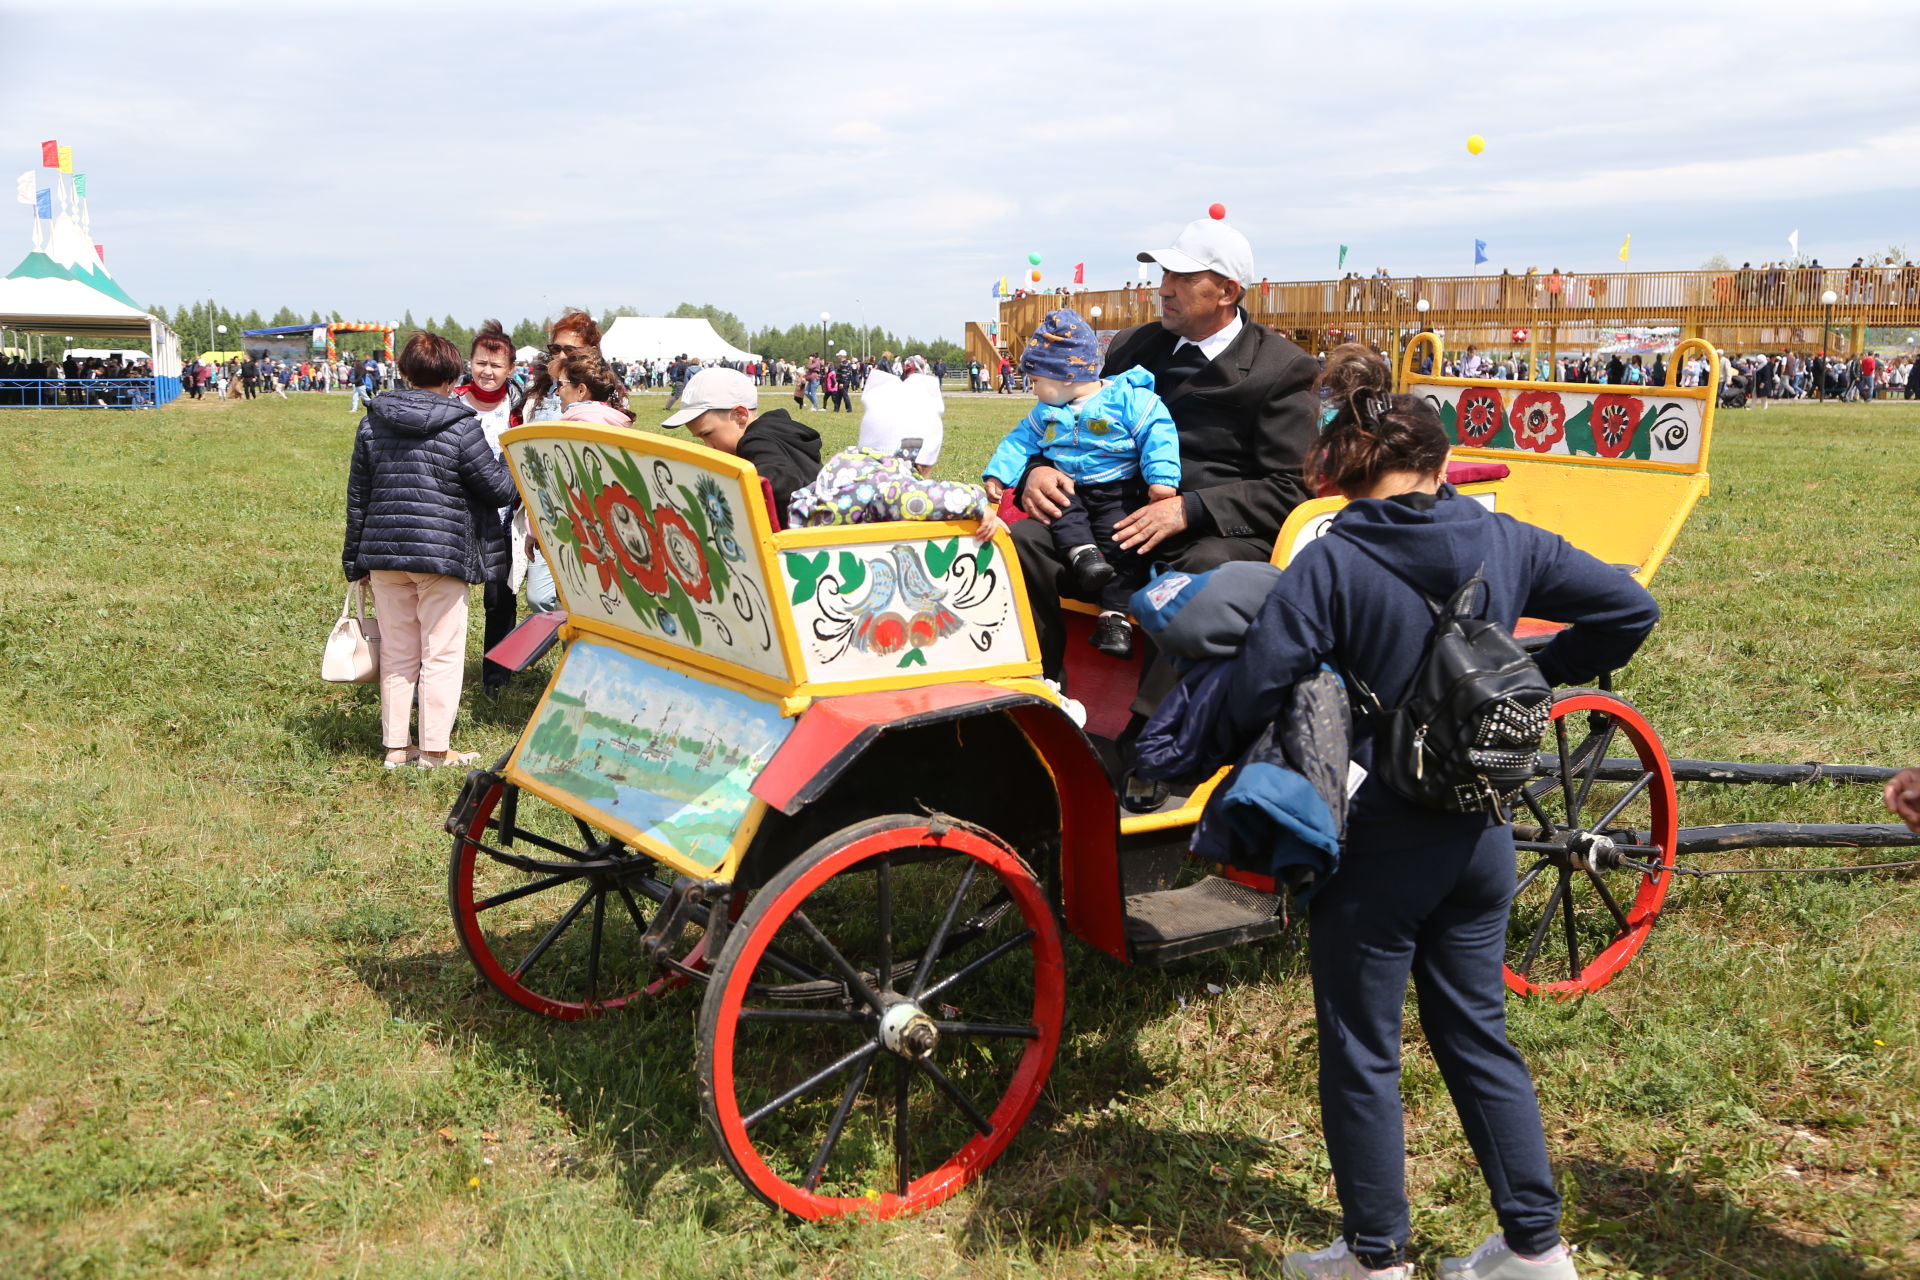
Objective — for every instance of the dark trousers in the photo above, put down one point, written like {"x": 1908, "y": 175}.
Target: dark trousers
{"x": 1425, "y": 895}
{"x": 1047, "y": 578}
{"x": 502, "y": 606}
{"x": 1088, "y": 521}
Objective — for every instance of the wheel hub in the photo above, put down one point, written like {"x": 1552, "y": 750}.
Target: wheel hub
{"x": 1592, "y": 851}
{"x": 905, "y": 1030}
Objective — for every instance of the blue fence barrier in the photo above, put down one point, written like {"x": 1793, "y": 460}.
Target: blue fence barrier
{"x": 87, "y": 393}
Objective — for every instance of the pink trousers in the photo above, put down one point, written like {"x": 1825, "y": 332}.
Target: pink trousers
{"x": 423, "y": 647}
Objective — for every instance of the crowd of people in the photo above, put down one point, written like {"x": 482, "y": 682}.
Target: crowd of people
{"x": 1764, "y": 375}
{"x": 78, "y": 380}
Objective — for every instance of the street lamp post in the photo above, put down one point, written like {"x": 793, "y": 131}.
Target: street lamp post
{"x": 824, "y": 353}
{"x": 1826, "y": 340}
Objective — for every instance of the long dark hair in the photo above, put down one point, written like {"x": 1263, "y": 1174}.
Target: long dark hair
{"x": 1373, "y": 431}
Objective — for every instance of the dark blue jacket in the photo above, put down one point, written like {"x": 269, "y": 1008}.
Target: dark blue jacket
{"x": 1349, "y": 599}
{"x": 424, "y": 491}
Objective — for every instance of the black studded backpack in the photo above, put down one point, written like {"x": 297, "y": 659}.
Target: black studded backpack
{"x": 1468, "y": 732}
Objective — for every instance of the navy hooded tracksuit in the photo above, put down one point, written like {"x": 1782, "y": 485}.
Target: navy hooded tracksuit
{"x": 1421, "y": 891}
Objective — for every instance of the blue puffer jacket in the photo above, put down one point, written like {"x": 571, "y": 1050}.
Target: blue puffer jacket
{"x": 424, "y": 491}
{"x": 1122, "y": 431}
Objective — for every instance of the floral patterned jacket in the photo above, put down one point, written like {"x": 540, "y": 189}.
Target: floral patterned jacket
{"x": 860, "y": 485}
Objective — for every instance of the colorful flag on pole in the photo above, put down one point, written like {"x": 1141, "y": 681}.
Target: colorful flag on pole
{"x": 1479, "y": 252}
{"x": 1793, "y": 242}
{"x": 1004, "y": 291}
{"x": 23, "y": 187}
{"x": 49, "y": 153}
{"x": 1079, "y": 273}
{"x": 996, "y": 288}
{"x": 1341, "y": 265}
{"x": 101, "y": 251}
{"x": 80, "y": 185}
{"x": 1625, "y": 245}
{"x": 66, "y": 159}
{"x": 43, "y": 203}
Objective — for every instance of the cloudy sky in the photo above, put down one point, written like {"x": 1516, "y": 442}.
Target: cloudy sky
{"x": 893, "y": 160}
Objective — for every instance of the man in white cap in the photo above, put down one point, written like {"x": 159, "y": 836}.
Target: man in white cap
{"x": 717, "y": 409}
{"x": 1240, "y": 395}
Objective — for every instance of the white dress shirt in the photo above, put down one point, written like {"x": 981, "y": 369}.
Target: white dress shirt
{"x": 1211, "y": 347}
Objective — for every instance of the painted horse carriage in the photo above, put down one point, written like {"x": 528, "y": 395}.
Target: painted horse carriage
{"x": 816, "y": 772}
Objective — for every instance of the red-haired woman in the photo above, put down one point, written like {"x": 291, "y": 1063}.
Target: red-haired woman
{"x": 574, "y": 331}
{"x": 423, "y": 499}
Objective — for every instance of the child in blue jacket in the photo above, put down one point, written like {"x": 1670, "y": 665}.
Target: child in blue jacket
{"x": 1108, "y": 436}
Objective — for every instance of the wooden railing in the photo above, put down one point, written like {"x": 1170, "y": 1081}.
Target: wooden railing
{"x": 1737, "y": 309}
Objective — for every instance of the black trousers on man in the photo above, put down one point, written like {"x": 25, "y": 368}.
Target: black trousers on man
{"x": 502, "y": 605}
{"x": 1045, "y": 570}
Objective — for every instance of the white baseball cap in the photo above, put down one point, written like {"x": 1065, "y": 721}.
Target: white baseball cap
{"x": 1207, "y": 244}
{"x": 714, "y": 388}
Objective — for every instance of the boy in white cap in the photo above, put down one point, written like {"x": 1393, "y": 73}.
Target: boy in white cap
{"x": 717, "y": 410}
{"x": 887, "y": 475}
{"x": 1106, "y": 435}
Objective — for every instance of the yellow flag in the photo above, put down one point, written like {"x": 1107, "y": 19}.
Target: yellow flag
{"x": 66, "y": 159}
{"x": 1624, "y": 246}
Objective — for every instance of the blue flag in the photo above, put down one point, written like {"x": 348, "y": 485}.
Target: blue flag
{"x": 996, "y": 288}
{"x": 43, "y": 204}
{"x": 1479, "y": 252}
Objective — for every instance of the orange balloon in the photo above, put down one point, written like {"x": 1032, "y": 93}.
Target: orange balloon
{"x": 1036, "y": 276}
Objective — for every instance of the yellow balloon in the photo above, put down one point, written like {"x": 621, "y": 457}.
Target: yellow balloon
{"x": 1476, "y": 144}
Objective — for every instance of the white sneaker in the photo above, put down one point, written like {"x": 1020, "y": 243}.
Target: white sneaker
{"x": 1494, "y": 1260}
{"x": 1335, "y": 1263}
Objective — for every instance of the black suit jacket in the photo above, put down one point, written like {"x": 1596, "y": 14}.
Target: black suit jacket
{"x": 1246, "y": 422}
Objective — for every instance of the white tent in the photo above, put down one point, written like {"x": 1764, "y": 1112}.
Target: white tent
{"x": 524, "y": 354}
{"x": 636, "y": 338}
{"x": 64, "y": 289}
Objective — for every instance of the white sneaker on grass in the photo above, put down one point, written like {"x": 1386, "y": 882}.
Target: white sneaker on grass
{"x": 1495, "y": 1260}
{"x": 1335, "y": 1263}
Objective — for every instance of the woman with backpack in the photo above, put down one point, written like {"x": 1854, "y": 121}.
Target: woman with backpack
{"x": 1420, "y": 891}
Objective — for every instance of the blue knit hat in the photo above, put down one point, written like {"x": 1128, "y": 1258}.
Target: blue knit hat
{"x": 1064, "y": 347}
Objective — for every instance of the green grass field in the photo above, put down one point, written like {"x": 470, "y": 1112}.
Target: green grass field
{"x": 237, "y": 1036}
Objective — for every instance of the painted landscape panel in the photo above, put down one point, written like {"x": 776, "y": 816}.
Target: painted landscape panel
{"x": 661, "y": 752}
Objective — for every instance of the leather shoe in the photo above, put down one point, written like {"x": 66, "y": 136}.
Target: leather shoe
{"x": 1113, "y": 634}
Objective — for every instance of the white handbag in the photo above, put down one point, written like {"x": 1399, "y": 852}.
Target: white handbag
{"x": 352, "y": 655}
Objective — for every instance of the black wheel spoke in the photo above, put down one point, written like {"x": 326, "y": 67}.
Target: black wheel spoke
{"x": 845, "y": 1061}
{"x": 832, "y": 1017}
{"x": 525, "y": 890}
{"x": 1539, "y": 815}
{"x": 959, "y": 1096}
{"x": 1598, "y": 758}
{"x": 633, "y": 910}
{"x": 1573, "y": 940}
{"x": 1566, "y": 771}
{"x": 509, "y": 815}
{"x": 932, "y": 953}
{"x": 838, "y": 1123}
{"x": 1540, "y": 930}
{"x": 976, "y": 964}
{"x": 1620, "y": 805}
{"x": 988, "y": 1029}
{"x": 883, "y": 905}
{"x": 855, "y": 980}
{"x": 902, "y": 1165}
{"x": 587, "y": 837}
{"x": 593, "y": 946}
{"x": 560, "y": 926}
{"x": 1606, "y": 896}
{"x": 1532, "y": 874}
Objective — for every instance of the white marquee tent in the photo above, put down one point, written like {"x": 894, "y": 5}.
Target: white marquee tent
{"x": 636, "y": 338}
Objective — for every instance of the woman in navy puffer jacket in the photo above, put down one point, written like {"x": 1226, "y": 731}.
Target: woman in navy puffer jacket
{"x": 423, "y": 497}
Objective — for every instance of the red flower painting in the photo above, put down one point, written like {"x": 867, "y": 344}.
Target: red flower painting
{"x": 1478, "y": 415}
{"x": 1615, "y": 419}
{"x": 1538, "y": 419}
{"x": 683, "y": 553}
{"x": 632, "y": 537}
{"x": 589, "y": 541}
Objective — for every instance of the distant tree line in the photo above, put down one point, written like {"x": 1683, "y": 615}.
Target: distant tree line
{"x": 198, "y": 323}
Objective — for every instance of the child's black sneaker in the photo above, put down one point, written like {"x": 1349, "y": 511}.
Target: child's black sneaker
{"x": 1113, "y": 633}
{"x": 1090, "y": 569}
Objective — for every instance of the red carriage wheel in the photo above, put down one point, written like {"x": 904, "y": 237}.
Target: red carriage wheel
{"x": 550, "y": 911}
{"x": 1596, "y": 852}
{"x": 882, "y": 1019}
